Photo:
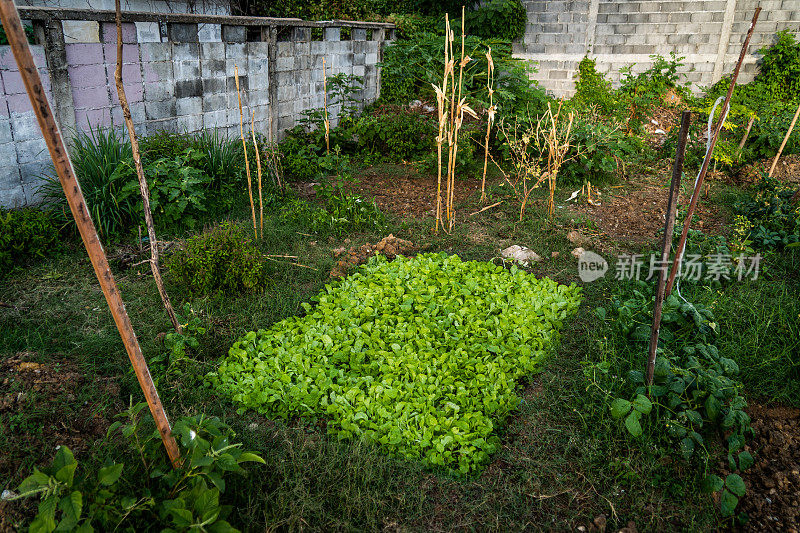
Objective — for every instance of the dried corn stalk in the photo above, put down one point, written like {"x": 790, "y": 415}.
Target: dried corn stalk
{"x": 244, "y": 146}
{"x": 490, "y": 118}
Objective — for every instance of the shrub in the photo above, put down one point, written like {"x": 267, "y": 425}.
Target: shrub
{"x": 779, "y": 72}
{"x": 395, "y": 133}
{"x": 222, "y": 259}
{"x": 503, "y": 19}
{"x": 141, "y": 497}
{"x": 593, "y": 89}
{"x": 773, "y": 218}
{"x": 25, "y": 234}
{"x": 422, "y": 355}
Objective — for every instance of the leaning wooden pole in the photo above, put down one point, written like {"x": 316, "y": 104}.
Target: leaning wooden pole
{"x": 783, "y": 144}
{"x": 258, "y": 165}
{"x": 244, "y": 147}
{"x": 712, "y": 143}
{"x": 143, "y": 188}
{"x": 674, "y": 190}
{"x": 86, "y": 228}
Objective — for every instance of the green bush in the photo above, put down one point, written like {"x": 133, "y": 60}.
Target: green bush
{"x": 593, "y": 89}
{"x": 412, "y": 67}
{"x": 395, "y": 133}
{"x": 696, "y": 394}
{"x": 421, "y": 355}
{"x": 143, "y": 497}
{"x": 773, "y": 218}
{"x": 25, "y": 234}
{"x": 779, "y": 71}
{"x": 222, "y": 260}
{"x": 503, "y": 19}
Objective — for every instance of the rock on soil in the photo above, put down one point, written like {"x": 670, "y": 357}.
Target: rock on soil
{"x": 522, "y": 255}
{"x": 389, "y": 246}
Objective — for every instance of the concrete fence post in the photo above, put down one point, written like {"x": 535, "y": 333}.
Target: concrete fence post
{"x": 51, "y": 35}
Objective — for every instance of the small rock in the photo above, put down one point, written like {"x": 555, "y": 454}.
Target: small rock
{"x": 659, "y": 131}
{"x": 554, "y": 255}
{"x": 522, "y": 255}
{"x": 8, "y": 494}
{"x": 654, "y": 122}
{"x": 576, "y": 237}
{"x": 578, "y": 252}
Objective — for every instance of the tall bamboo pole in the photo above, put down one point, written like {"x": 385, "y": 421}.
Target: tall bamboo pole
{"x": 712, "y": 143}
{"x": 244, "y": 146}
{"x": 674, "y": 190}
{"x": 72, "y": 190}
{"x": 783, "y": 144}
{"x": 258, "y": 165}
{"x": 325, "y": 96}
{"x": 144, "y": 190}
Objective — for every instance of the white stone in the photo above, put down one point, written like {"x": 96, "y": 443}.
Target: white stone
{"x": 578, "y": 252}
{"x": 522, "y": 255}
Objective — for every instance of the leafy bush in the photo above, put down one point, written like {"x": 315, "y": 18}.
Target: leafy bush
{"x": 593, "y": 89}
{"x": 504, "y": 19}
{"x": 779, "y": 71}
{"x": 421, "y": 355}
{"x": 25, "y": 234}
{"x": 411, "y": 67}
{"x": 222, "y": 259}
{"x": 395, "y": 133}
{"x": 177, "y": 188}
{"x": 773, "y": 218}
{"x": 183, "y": 499}
{"x": 597, "y": 148}
{"x": 695, "y": 395}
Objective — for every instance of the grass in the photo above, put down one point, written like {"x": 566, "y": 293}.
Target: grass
{"x": 564, "y": 462}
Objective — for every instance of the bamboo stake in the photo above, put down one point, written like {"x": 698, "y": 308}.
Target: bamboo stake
{"x": 144, "y": 190}
{"x": 258, "y": 165}
{"x": 490, "y": 119}
{"x": 441, "y": 100}
{"x": 244, "y": 145}
{"x": 783, "y": 144}
{"x": 86, "y": 228}
{"x": 701, "y": 176}
{"x": 747, "y": 132}
{"x": 325, "y": 95}
{"x": 674, "y": 190}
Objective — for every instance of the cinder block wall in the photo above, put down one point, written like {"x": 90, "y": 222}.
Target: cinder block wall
{"x": 617, "y": 33}
{"x": 178, "y": 77}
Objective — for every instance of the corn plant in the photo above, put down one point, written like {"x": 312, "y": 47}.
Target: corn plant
{"x": 244, "y": 147}
{"x": 451, "y": 109}
{"x": 491, "y": 112}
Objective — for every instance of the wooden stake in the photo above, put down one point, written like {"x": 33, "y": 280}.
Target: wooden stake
{"x": 258, "y": 165}
{"x": 244, "y": 145}
{"x": 86, "y": 228}
{"x": 666, "y": 246}
{"x": 489, "y": 119}
{"x": 747, "y": 132}
{"x": 783, "y": 144}
{"x": 325, "y": 96}
{"x": 144, "y": 190}
{"x": 699, "y": 185}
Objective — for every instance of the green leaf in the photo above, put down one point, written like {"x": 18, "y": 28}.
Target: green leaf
{"x": 620, "y": 408}
{"x": 745, "y": 460}
{"x": 632, "y": 423}
{"x": 110, "y": 474}
{"x": 250, "y": 457}
{"x": 64, "y": 466}
{"x": 727, "y": 503}
{"x": 642, "y": 404}
{"x": 72, "y": 506}
{"x": 712, "y": 483}
{"x": 735, "y": 484}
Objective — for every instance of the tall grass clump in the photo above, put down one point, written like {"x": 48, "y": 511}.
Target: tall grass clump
{"x": 96, "y": 154}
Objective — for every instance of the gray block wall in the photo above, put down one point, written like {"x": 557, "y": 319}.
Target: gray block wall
{"x": 178, "y": 77}
{"x": 618, "y": 33}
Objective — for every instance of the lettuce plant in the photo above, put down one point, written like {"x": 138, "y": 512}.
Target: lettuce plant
{"x": 423, "y": 356}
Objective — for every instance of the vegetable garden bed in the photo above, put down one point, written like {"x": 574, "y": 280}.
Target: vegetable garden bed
{"x": 422, "y": 355}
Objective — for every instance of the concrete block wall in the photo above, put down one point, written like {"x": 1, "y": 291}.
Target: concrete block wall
{"x": 618, "y": 33}
{"x": 179, "y": 77}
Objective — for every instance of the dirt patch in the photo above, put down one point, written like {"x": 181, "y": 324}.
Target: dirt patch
{"x": 389, "y": 246}
{"x": 408, "y": 195}
{"x": 773, "y": 483}
{"x": 636, "y": 213}
{"x": 786, "y": 171}
{"x": 39, "y": 411}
